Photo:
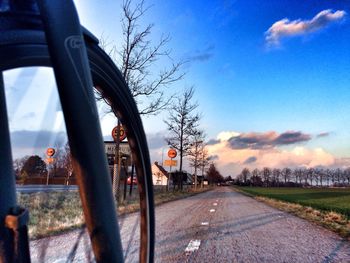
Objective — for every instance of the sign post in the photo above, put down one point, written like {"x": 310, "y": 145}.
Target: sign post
{"x": 171, "y": 154}
{"x": 118, "y": 134}
{"x": 50, "y": 152}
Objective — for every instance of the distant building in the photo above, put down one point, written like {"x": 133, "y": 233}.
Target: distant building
{"x": 159, "y": 174}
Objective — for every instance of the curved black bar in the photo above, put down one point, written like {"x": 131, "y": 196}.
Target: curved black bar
{"x": 7, "y": 182}
{"x": 69, "y": 58}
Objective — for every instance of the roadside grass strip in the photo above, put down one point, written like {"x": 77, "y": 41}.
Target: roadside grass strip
{"x": 192, "y": 246}
{"x": 335, "y": 221}
{"x": 56, "y": 212}
{"x": 325, "y": 199}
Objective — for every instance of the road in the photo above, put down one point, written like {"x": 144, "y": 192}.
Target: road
{"x": 45, "y": 188}
{"x": 226, "y": 226}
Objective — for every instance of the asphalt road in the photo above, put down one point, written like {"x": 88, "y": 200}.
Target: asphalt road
{"x": 45, "y": 188}
{"x": 220, "y": 226}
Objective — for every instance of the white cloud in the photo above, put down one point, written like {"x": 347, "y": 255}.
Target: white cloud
{"x": 226, "y": 135}
{"x": 286, "y": 28}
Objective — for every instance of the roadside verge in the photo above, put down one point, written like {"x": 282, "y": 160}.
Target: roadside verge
{"x": 336, "y": 222}
{"x": 53, "y": 213}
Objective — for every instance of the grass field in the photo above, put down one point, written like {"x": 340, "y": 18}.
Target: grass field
{"x": 55, "y": 212}
{"x": 326, "y": 199}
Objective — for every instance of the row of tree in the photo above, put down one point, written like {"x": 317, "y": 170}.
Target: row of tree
{"x": 294, "y": 177}
{"x": 34, "y": 166}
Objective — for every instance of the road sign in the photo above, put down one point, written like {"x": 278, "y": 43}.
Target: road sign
{"x": 170, "y": 162}
{"x": 50, "y": 160}
{"x": 172, "y": 153}
{"x": 50, "y": 152}
{"x": 124, "y": 148}
{"x": 122, "y": 133}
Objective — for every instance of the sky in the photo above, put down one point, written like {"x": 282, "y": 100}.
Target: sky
{"x": 271, "y": 80}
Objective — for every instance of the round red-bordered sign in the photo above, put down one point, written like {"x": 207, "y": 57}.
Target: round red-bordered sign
{"x": 50, "y": 152}
{"x": 122, "y": 133}
{"x": 172, "y": 153}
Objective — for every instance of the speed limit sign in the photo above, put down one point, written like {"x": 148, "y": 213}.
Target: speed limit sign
{"x": 122, "y": 133}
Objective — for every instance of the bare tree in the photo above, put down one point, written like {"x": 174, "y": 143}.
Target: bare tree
{"x": 298, "y": 174}
{"x": 311, "y": 175}
{"x": 67, "y": 162}
{"x": 276, "y": 173}
{"x": 195, "y": 153}
{"x": 347, "y": 174}
{"x": 255, "y": 178}
{"x": 286, "y": 173}
{"x": 245, "y": 175}
{"x": 138, "y": 57}
{"x": 266, "y": 172}
{"x": 214, "y": 175}
{"x": 18, "y": 165}
{"x": 204, "y": 160}
{"x": 182, "y": 124}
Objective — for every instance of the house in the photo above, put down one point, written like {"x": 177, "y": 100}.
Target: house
{"x": 159, "y": 174}
{"x": 187, "y": 178}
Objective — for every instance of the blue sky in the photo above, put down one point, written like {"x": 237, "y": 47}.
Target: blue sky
{"x": 258, "y": 67}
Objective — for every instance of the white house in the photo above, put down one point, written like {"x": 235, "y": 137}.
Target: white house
{"x": 159, "y": 174}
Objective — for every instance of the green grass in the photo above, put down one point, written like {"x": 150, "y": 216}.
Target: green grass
{"x": 56, "y": 212}
{"x": 326, "y": 199}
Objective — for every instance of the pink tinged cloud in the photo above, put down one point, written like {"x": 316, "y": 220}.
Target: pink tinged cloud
{"x": 234, "y": 159}
{"x": 286, "y": 28}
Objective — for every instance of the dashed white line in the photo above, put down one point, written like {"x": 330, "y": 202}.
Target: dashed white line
{"x": 193, "y": 246}
{"x": 205, "y": 224}
{"x": 212, "y": 210}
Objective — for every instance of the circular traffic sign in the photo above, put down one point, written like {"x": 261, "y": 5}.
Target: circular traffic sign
{"x": 122, "y": 133}
{"x": 50, "y": 152}
{"x": 172, "y": 153}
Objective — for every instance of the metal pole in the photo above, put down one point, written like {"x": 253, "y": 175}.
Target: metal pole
{"x": 169, "y": 175}
{"x": 116, "y": 161}
{"x": 132, "y": 179}
{"x": 118, "y": 177}
{"x": 70, "y": 62}
{"x": 48, "y": 174}
{"x": 126, "y": 176}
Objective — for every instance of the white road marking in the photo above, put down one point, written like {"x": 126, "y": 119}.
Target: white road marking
{"x": 212, "y": 210}
{"x": 193, "y": 246}
{"x": 205, "y": 223}
{"x": 215, "y": 204}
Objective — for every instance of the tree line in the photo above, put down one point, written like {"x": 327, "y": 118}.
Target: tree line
{"x": 34, "y": 166}
{"x": 299, "y": 177}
